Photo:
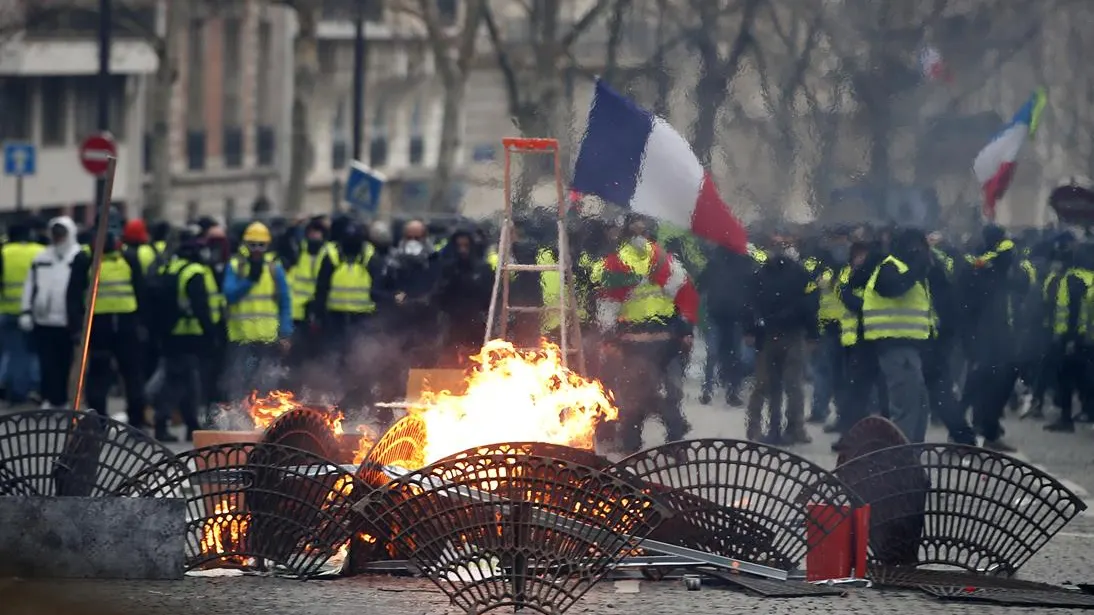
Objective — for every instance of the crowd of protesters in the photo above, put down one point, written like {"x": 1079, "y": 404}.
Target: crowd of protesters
{"x": 885, "y": 321}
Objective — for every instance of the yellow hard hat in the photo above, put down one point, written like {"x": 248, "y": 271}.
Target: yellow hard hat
{"x": 257, "y": 233}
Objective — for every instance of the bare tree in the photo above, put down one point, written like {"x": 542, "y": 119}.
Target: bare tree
{"x": 533, "y": 69}
{"x": 453, "y": 53}
{"x": 176, "y": 17}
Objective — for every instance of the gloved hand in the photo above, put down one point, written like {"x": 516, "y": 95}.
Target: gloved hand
{"x": 26, "y": 322}
{"x": 254, "y": 271}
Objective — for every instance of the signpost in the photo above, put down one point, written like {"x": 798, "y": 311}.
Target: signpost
{"x": 20, "y": 160}
{"x": 363, "y": 187}
{"x": 96, "y": 152}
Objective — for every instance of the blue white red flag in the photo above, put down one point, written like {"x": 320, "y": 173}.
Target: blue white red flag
{"x": 636, "y": 160}
{"x": 994, "y": 165}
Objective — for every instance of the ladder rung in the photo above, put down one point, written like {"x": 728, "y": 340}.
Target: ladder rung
{"x": 518, "y": 267}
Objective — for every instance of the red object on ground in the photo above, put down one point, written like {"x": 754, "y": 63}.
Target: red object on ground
{"x": 840, "y": 542}
{"x": 94, "y": 152}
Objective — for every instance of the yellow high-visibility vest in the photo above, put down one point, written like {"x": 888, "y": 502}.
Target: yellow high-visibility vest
{"x": 17, "y": 261}
{"x": 906, "y": 317}
{"x": 1063, "y": 302}
{"x": 647, "y": 300}
{"x": 116, "y": 294}
{"x": 187, "y": 324}
{"x": 848, "y": 320}
{"x": 302, "y": 280}
{"x": 254, "y": 318}
{"x": 351, "y": 285}
{"x": 146, "y": 254}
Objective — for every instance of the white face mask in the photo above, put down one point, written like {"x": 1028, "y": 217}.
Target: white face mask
{"x": 639, "y": 242}
{"x": 413, "y": 247}
{"x": 792, "y": 253}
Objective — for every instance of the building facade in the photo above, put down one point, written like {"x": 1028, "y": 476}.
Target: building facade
{"x": 229, "y": 113}
{"x": 48, "y": 99}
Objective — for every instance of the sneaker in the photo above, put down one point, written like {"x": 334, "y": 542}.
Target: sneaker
{"x": 733, "y": 398}
{"x": 166, "y": 438}
{"x": 705, "y": 398}
{"x": 999, "y": 445}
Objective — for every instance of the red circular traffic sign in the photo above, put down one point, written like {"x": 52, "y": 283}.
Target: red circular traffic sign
{"x": 94, "y": 152}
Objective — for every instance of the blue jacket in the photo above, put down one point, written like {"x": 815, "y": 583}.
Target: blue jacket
{"x": 236, "y": 287}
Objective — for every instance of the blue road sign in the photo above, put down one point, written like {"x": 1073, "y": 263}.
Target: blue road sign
{"x": 363, "y": 187}
{"x": 19, "y": 159}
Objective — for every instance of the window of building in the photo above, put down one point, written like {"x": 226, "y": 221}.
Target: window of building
{"x": 449, "y": 11}
{"x": 417, "y": 142}
{"x": 54, "y": 111}
{"x": 195, "y": 96}
{"x": 14, "y": 108}
{"x": 85, "y": 94}
{"x": 265, "y": 139}
{"x": 233, "y": 72}
{"x": 233, "y": 146}
{"x": 339, "y": 136}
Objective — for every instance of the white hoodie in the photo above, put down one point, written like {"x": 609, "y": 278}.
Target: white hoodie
{"x": 44, "y": 294}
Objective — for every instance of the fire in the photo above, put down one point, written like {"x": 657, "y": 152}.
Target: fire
{"x": 515, "y": 396}
{"x": 224, "y": 531}
{"x": 265, "y": 410}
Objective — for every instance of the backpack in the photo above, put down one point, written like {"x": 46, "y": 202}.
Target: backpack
{"x": 163, "y": 297}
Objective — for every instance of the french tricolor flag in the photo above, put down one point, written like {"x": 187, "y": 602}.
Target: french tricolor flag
{"x": 994, "y": 165}
{"x": 634, "y": 159}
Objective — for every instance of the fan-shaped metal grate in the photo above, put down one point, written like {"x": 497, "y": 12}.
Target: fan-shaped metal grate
{"x": 561, "y": 452}
{"x": 516, "y": 530}
{"x": 871, "y": 434}
{"x": 304, "y": 428}
{"x": 65, "y": 453}
{"x": 975, "y": 509}
{"x": 402, "y": 445}
{"x": 742, "y": 499}
{"x": 250, "y": 504}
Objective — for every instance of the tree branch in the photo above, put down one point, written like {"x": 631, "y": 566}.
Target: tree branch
{"x": 583, "y": 23}
{"x": 505, "y": 64}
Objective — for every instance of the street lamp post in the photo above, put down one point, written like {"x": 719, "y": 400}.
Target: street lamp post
{"x": 360, "y": 61}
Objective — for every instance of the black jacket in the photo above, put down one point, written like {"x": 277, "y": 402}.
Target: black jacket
{"x": 780, "y": 302}
{"x": 198, "y": 296}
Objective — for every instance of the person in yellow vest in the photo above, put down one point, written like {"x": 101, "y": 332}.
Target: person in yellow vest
{"x": 896, "y": 319}
{"x": 302, "y": 278}
{"x": 21, "y": 373}
{"x": 118, "y": 327}
{"x": 1072, "y": 297}
{"x": 646, "y": 309}
{"x": 260, "y": 322}
{"x": 189, "y": 340}
{"x": 347, "y": 290}
{"x": 826, "y": 358}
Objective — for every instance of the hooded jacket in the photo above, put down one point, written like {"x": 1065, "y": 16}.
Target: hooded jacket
{"x": 44, "y": 294}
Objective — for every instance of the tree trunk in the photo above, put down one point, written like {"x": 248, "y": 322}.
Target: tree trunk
{"x": 305, "y": 69}
{"x": 155, "y": 207}
{"x": 455, "y": 93}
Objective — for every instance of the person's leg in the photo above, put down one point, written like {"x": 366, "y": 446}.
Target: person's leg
{"x": 903, "y": 372}
{"x": 129, "y": 354}
{"x": 760, "y": 390}
{"x": 1067, "y": 381}
{"x": 20, "y": 361}
{"x": 672, "y": 416}
{"x": 49, "y": 357}
{"x": 168, "y": 397}
{"x": 823, "y": 359}
{"x": 793, "y": 365}
{"x": 940, "y": 391}
{"x": 711, "y": 363}
{"x": 100, "y": 378}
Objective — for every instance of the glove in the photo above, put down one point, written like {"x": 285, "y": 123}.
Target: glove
{"x": 254, "y": 271}
{"x": 26, "y": 322}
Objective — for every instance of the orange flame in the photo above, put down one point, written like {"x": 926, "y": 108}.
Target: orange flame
{"x": 265, "y": 410}
{"x": 224, "y": 531}
{"x": 515, "y": 396}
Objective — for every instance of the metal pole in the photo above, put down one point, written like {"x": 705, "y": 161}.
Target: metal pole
{"x": 105, "y": 30}
{"x": 360, "y": 64}
{"x": 19, "y": 192}
{"x": 102, "y": 222}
